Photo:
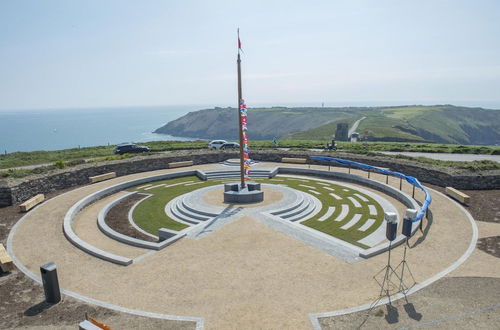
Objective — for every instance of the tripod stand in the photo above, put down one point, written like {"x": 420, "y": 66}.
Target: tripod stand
{"x": 387, "y": 284}
{"x": 403, "y": 288}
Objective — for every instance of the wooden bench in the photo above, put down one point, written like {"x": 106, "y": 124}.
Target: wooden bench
{"x": 294, "y": 160}
{"x": 457, "y": 195}
{"x": 102, "y": 177}
{"x": 180, "y": 164}
{"x": 5, "y": 260}
{"x": 31, "y": 203}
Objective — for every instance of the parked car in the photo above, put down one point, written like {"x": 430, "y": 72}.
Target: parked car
{"x": 216, "y": 144}
{"x": 124, "y": 148}
{"x": 230, "y": 145}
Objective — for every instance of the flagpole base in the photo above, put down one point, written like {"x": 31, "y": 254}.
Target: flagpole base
{"x": 252, "y": 193}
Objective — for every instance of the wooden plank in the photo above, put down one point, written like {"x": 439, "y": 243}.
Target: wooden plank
{"x": 457, "y": 195}
{"x": 5, "y": 260}
{"x": 31, "y": 203}
{"x": 294, "y": 160}
{"x": 102, "y": 177}
{"x": 180, "y": 164}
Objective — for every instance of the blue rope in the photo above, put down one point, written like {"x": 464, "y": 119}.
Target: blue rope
{"x": 410, "y": 179}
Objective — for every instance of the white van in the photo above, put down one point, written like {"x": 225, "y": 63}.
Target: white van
{"x": 216, "y": 144}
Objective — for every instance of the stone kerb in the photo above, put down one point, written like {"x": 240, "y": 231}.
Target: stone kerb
{"x": 68, "y": 218}
{"x": 108, "y": 231}
{"x": 393, "y": 192}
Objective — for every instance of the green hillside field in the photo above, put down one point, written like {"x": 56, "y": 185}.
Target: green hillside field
{"x": 434, "y": 124}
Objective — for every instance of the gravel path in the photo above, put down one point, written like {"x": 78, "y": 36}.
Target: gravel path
{"x": 22, "y": 299}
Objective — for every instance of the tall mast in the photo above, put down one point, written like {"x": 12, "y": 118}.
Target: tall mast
{"x": 240, "y": 99}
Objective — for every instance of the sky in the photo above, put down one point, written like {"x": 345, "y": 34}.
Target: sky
{"x": 99, "y": 53}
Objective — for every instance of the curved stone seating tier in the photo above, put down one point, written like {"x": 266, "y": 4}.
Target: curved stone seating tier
{"x": 302, "y": 210}
{"x": 190, "y": 209}
{"x": 93, "y": 250}
{"x": 108, "y": 231}
{"x": 176, "y": 210}
{"x": 295, "y": 207}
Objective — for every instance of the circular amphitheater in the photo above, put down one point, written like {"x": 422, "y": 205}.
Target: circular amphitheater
{"x": 164, "y": 244}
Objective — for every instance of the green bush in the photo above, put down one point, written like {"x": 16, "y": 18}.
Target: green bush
{"x": 60, "y": 164}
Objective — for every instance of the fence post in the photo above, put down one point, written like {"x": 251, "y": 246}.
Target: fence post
{"x": 400, "y": 183}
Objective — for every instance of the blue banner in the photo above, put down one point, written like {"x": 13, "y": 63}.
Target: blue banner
{"x": 410, "y": 179}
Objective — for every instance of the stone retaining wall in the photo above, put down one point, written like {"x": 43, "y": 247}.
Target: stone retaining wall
{"x": 424, "y": 174}
{"x": 19, "y": 190}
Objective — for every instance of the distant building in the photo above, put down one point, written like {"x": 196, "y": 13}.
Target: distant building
{"x": 342, "y": 132}
{"x": 354, "y": 137}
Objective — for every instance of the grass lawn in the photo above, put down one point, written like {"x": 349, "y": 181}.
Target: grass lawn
{"x": 150, "y": 213}
{"x": 330, "y": 226}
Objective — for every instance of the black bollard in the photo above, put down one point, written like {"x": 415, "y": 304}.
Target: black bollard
{"x": 50, "y": 283}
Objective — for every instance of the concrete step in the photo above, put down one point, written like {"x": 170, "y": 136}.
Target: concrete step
{"x": 193, "y": 209}
{"x": 182, "y": 218}
{"x": 296, "y": 204}
{"x": 304, "y": 205}
{"x": 185, "y": 212}
{"x": 311, "y": 207}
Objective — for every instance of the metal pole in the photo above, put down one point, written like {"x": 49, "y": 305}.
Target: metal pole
{"x": 400, "y": 183}
{"x": 387, "y": 179}
{"x": 240, "y": 98}
{"x": 413, "y": 193}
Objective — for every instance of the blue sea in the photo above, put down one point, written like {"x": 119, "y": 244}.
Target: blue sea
{"x": 54, "y": 129}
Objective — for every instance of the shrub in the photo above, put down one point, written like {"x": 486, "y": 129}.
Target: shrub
{"x": 60, "y": 164}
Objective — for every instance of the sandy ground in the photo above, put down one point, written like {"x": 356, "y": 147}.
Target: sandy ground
{"x": 246, "y": 275}
{"x": 450, "y": 303}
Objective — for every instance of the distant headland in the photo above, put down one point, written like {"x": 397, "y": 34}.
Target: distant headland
{"x": 411, "y": 123}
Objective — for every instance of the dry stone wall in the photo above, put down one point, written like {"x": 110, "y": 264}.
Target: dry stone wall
{"x": 19, "y": 190}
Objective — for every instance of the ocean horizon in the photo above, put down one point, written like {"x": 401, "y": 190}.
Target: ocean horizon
{"x": 55, "y": 129}
{"x": 65, "y": 128}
